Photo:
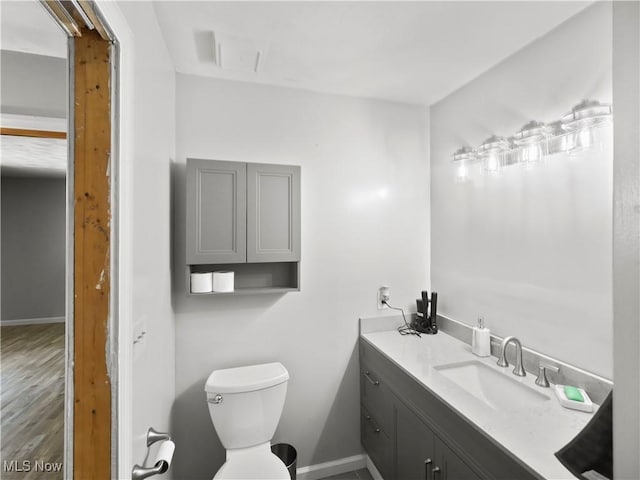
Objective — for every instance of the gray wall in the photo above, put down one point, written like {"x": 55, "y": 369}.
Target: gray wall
{"x": 364, "y": 224}
{"x": 530, "y": 250}
{"x": 33, "y": 247}
{"x": 33, "y": 84}
{"x": 626, "y": 244}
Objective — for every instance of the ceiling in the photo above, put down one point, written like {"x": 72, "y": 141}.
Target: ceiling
{"x": 415, "y": 52}
{"x": 26, "y": 27}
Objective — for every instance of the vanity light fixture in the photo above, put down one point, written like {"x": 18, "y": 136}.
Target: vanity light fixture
{"x": 532, "y": 143}
{"x": 579, "y": 124}
{"x": 575, "y": 132}
{"x": 492, "y": 152}
{"x": 463, "y": 157}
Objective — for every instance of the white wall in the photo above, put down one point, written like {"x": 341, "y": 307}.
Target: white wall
{"x": 153, "y": 111}
{"x": 33, "y": 84}
{"x": 626, "y": 244}
{"x": 530, "y": 250}
{"x": 365, "y": 184}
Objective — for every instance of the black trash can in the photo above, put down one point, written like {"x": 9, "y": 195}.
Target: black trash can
{"x": 288, "y": 455}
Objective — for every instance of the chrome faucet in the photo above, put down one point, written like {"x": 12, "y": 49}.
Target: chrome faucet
{"x": 502, "y": 360}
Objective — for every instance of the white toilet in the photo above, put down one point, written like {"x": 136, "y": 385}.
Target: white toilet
{"x": 245, "y": 404}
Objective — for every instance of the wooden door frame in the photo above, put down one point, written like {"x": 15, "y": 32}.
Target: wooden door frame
{"x": 122, "y": 154}
{"x": 91, "y": 141}
{"x": 98, "y": 432}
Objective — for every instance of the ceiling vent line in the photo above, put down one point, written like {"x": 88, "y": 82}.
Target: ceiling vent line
{"x": 233, "y": 52}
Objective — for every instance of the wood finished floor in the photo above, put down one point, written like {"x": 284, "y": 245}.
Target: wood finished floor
{"x": 32, "y": 401}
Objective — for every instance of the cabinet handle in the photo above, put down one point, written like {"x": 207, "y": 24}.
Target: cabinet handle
{"x": 377, "y": 430}
{"x": 368, "y": 417}
{"x": 373, "y": 382}
{"x": 427, "y": 462}
{"x": 435, "y": 470}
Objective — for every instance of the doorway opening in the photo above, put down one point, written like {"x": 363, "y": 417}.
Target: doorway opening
{"x": 90, "y": 257}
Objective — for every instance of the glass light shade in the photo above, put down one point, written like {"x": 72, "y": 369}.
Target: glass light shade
{"x": 492, "y": 153}
{"x": 530, "y": 140}
{"x": 580, "y": 141}
{"x": 462, "y": 172}
{"x": 462, "y": 159}
{"x": 580, "y": 122}
{"x": 587, "y": 113}
{"x": 492, "y": 162}
{"x": 532, "y": 153}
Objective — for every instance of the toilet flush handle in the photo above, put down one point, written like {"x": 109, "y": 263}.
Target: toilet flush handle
{"x": 216, "y": 399}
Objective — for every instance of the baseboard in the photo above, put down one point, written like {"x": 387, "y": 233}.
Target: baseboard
{"x": 334, "y": 467}
{"x": 373, "y": 470}
{"x": 31, "y": 321}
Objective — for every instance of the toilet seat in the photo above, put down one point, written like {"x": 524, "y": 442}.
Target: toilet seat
{"x": 257, "y": 462}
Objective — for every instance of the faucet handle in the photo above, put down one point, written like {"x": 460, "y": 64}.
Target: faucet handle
{"x": 542, "y": 374}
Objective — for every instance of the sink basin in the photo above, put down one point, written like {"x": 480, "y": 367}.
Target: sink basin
{"x": 495, "y": 388}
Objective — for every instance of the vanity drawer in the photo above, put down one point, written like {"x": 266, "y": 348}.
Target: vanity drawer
{"x": 376, "y": 442}
{"x": 376, "y": 396}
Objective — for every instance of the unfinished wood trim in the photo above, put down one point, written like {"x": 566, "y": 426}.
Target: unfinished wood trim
{"x": 92, "y": 217}
{"x": 22, "y": 132}
{"x": 88, "y": 7}
{"x": 62, "y": 16}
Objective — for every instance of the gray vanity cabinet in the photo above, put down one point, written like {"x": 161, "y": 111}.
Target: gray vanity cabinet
{"x": 420, "y": 454}
{"x": 376, "y": 423}
{"x": 415, "y": 446}
{"x": 452, "y": 466}
{"x": 425, "y": 438}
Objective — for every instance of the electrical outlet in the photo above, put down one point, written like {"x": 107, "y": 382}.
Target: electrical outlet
{"x": 383, "y": 295}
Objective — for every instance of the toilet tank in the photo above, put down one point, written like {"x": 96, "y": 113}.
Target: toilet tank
{"x": 245, "y": 403}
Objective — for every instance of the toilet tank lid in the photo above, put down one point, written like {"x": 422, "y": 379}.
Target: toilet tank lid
{"x": 246, "y": 379}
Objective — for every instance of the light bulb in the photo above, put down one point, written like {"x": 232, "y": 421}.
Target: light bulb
{"x": 462, "y": 172}
{"x": 492, "y": 163}
{"x": 582, "y": 141}
{"x": 532, "y": 153}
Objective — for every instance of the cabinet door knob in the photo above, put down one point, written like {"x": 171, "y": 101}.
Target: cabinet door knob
{"x": 373, "y": 382}
{"x": 377, "y": 430}
{"x": 435, "y": 470}
{"x": 368, "y": 417}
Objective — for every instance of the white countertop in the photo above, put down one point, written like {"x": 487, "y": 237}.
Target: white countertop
{"x": 532, "y": 433}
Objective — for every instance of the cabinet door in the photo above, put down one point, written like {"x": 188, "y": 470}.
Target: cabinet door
{"x": 216, "y": 212}
{"x": 451, "y": 465}
{"x": 415, "y": 448}
{"x": 273, "y": 213}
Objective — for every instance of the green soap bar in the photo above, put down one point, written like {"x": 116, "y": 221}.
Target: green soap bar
{"x": 573, "y": 393}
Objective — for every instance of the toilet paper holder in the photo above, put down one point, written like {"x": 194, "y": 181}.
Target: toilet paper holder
{"x": 161, "y": 466}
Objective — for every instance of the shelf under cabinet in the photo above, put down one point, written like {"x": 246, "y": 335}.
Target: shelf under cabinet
{"x": 253, "y": 278}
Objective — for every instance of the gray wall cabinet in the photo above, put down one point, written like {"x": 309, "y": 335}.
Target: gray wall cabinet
{"x": 216, "y": 212}
{"x": 410, "y": 434}
{"x": 273, "y": 213}
{"x": 245, "y": 218}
